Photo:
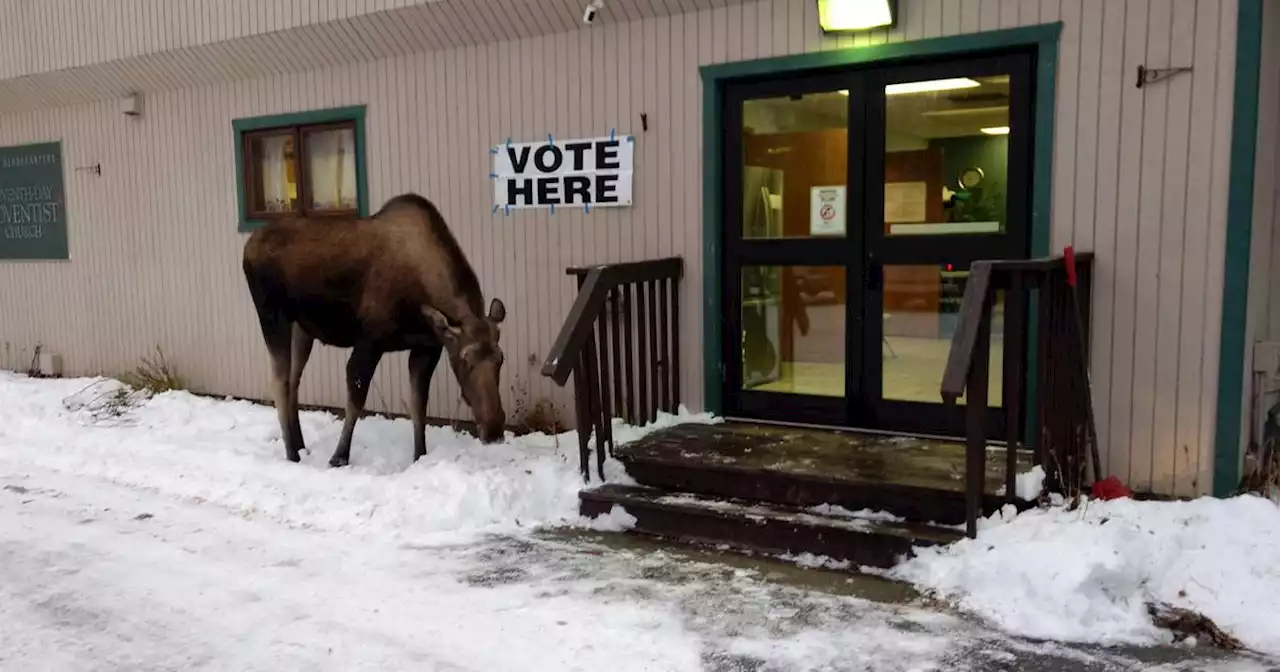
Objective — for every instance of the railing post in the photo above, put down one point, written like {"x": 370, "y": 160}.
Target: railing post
{"x": 975, "y": 420}
{"x": 582, "y": 412}
{"x": 1015, "y": 319}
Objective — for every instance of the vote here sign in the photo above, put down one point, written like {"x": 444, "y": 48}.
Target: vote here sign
{"x": 594, "y": 172}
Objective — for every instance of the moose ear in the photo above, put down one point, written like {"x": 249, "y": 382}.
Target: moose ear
{"x": 497, "y": 311}
{"x": 441, "y": 324}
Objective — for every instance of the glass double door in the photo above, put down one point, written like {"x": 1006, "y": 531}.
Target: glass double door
{"x": 855, "y": 203}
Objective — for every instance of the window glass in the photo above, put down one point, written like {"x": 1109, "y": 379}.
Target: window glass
{"x": 793, "y": 329}
{"x": 795, "y": 166}
{"x": 946, "y": 156}
{"x": 274, "y": 185}
{"x": 331, "y": 169}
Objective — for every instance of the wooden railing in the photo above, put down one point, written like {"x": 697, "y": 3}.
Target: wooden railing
{"x": 1064, "y": 435}
{"x": 621, "y": 344}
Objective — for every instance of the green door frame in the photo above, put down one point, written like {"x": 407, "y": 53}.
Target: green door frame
{"x": 1234, "y": 341}
{"x": 1043, "y": 37}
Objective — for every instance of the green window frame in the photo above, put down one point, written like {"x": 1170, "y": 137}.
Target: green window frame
{"x": 297, "y": 127}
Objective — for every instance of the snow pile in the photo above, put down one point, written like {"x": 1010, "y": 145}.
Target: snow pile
{"x": 1086, "y": 575}
{"x": 230, "y": 453}
{"x": 1027, "y": 485}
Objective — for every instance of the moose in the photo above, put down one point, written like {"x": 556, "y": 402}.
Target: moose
{"x": 391, "y": 282}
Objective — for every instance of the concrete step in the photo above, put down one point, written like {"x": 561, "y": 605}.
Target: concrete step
{"x": 768, "y": 529}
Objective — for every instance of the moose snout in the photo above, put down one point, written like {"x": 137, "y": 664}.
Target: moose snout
{"x": 493, "y": 430}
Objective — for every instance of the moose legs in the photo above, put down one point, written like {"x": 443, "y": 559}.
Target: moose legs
{"x": 290, "y": 348}
{"x": 360, "y": 369}
{"x": 422, "y": 365}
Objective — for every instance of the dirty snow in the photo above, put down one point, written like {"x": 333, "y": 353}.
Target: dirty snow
{"x": 174, "y": 535}
{"x": 1086, "y": 575}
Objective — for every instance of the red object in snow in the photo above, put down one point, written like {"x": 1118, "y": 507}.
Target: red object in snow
{"x": 1070, "y": 254}
{"x": 1110, "y": 488}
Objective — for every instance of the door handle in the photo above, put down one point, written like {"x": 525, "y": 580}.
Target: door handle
{"x": 873, "y": 274}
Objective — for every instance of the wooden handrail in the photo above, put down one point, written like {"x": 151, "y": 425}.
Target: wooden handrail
{"x": 596, "y": 285}
{"x": 639, "y": 303}
{"x": 1063, "y": 414}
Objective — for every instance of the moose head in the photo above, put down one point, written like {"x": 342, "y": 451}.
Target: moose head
{"x": 476, "y": 360}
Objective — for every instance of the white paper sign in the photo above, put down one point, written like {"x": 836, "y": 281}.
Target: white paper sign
{"x": 826, "y": 211}
{"x": 905, "y": 202}
{"x": 593, "y": 172}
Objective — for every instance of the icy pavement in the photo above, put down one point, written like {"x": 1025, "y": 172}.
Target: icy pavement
{"x": 177, "y": 538}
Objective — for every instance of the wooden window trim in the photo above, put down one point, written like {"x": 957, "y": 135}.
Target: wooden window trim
{"x": 250, "y": 176}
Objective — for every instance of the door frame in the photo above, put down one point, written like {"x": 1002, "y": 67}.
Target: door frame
{"x": 1041, "y": 40}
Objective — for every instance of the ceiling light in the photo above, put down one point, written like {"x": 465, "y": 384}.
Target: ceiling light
{"x": 846, "y": 15}
{"x": 1002, "y": 110}
{"x": 930, "y": 85}
{"x": 996, "y": 130}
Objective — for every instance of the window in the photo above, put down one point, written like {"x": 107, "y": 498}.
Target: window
{"x": 307, "y": 164}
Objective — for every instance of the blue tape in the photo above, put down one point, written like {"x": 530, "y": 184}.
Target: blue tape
{"x": 551, "y": 141}
{"x": 611, "y": 135}
{"x": 631, "y": 138}
{"x": 586, "y": 207}
{"x": 553, "y": 208}
{"x": 495, "y": 209}
{"x": 506, "y": 210}
{"x": 493, "y": 176}
{"x": 508, "y": 142}
{"x": 493, "y": 150}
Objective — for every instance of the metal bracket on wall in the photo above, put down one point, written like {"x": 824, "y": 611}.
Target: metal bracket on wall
{"x": 1152, "y": 75}
{"x": 96, "y": 169}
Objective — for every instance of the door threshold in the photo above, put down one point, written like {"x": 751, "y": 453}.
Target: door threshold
{"x": 861, "y": 430}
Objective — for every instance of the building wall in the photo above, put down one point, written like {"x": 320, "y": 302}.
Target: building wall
{"x": 1139, "y": 178}
{"x": 44, "y": 35}
{"x": 1264, "y": 266}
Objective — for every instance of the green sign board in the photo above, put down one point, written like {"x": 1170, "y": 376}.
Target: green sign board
{"x": 33, "y": 211}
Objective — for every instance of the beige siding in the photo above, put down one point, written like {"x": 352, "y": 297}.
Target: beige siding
{"x": 1264, "y": 265}
{"x": 57, "y": 53}
{"x": 1139, "y": 178}
{"x": 46, "y": 35}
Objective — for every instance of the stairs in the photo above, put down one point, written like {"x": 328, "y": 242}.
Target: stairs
{"x": 858, "y": 499}
{"x": 765, "y": 528}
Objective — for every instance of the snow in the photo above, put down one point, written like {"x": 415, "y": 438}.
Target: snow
{"x": 1086, "y": 575}
{"x": 169, "y": 532}
{"x": 1027, "y": 485}
{"x": 229, "y": 453}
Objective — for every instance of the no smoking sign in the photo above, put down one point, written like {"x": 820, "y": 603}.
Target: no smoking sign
{"x": 826, "y": 211}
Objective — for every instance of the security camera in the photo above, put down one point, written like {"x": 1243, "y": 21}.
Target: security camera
{"x": 589, "y": 14}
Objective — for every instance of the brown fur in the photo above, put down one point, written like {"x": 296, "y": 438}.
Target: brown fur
{"x": 396, "y": 281}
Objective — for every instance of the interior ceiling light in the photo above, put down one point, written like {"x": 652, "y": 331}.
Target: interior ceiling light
{"x": 927, "y": 86}
{"x": 950, "y": 84}
{"x": 996, "y": 130}
{"x": 836, "y": 16}
{"x": 957, "y": 111}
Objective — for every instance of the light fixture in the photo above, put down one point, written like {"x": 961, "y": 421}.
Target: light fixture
{"x": 950, "y": 84}
{"x": 837, "y": 16}
{"x": 929, "y": 85}
{"x": 996, "y": 130}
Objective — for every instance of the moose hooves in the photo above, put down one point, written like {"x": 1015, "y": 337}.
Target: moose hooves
{"x": 338, "y": 462}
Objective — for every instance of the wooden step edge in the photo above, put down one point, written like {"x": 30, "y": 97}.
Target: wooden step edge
{"x": 763, "y": 529}
{"x": 930, "y": 506}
